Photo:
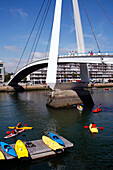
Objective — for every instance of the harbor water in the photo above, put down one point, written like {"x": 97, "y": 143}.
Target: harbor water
{"x": 89, "y": 151}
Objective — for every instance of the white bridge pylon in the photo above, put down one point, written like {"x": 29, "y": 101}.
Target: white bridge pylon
{"x": 53, "y": 55}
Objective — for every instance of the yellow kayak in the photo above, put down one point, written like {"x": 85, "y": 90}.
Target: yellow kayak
{"x": 93, "y": 130}
{"x": 51, "y": 143}
{"x": 2, "y": 156}
{"x": 21, "y": 149}
{"x": 25, "y": 128}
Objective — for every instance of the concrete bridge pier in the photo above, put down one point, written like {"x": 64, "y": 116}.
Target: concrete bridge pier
{"x": 68, "y": 98}
{"x": 18, "y": 88}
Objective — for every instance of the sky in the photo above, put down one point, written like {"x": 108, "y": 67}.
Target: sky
{"x": 17, "y": 18}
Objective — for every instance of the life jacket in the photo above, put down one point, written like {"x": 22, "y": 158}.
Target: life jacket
{"x": 98, "y": 109}
{"x": 13, "y": 131}
{"x": 93, "y": 126}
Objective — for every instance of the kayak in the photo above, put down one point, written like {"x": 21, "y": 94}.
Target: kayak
{"x": 25, "y": 128}
{"x": 21, "y": 149}
{"x": 93, "y": 130}
{"x": 97, "y": 110}
{"x": 79, "y": 107}
{"x": 12, "y": 135}
{"x": 51, "y": 143}
{"x": 2, "y": 157}
{"x": 56, "y": 138}
{"x": 8, "y": 149}
{"x": 106, "y": 89}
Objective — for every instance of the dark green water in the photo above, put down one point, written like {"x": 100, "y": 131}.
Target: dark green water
{"x": 89, "y": 151}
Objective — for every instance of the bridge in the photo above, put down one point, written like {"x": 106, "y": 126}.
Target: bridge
{"x": 63, "y": 59}
{"x": 51, "y": 62}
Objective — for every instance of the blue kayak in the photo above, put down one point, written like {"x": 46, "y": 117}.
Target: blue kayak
{"x": 8, "y": 149}
{"x": 56, "y": 138}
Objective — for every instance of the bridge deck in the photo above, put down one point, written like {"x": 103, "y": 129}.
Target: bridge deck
{"x": 37, "y": 149}
{"x": 43, "y": 62}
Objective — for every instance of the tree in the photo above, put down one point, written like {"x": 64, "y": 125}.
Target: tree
{"x": 8, "y": 76}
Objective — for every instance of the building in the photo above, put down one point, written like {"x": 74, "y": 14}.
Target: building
{"x": 71, "y": 72}
{"x": 1, "y": 72}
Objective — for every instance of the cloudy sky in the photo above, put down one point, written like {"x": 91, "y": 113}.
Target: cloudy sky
{"x": 17, "y": 18}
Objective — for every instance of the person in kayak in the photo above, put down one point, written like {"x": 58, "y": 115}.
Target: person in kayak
{"x": 97, "y": 109}
{"x": 19, "y": 124}
{"x": 93, "y": 125}
{"x": 6, "y": 148}
{"x": 14, "y": 131}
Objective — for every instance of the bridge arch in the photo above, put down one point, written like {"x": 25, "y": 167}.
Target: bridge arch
{"x": 26, "y": 70}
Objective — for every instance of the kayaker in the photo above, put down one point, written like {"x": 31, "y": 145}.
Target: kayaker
{"x": 14, "y": 131}
{"x": 93, "y": 125}
{"x": 98, "y": 109}
{"x": 19, "y": 124}
{"x": 6, "y": 148}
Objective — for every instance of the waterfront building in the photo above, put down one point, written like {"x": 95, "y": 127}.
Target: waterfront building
{"x": 71, "y": 73}
{"x": 1, "y": 72}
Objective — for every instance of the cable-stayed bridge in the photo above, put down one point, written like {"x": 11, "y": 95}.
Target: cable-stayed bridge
{"x": 51, "y": 62}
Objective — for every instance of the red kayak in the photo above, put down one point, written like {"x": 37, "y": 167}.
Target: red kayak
{"x": 12, "y": 135}
{"x": 97, "y": 110}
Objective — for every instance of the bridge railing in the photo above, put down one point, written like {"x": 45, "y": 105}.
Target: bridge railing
{"x": 107, "y": 53}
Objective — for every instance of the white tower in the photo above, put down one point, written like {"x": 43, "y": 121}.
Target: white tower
{"x": 80, "y": 41}
{"x": 53, "y": 55}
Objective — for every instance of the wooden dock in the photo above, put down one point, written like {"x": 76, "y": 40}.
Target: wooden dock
{"x": 37, "y": 149}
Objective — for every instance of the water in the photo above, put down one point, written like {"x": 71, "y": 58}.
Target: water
{"x": 89, "y": 151}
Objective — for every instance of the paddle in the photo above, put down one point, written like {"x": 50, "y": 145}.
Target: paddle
{"x": 101, "y": 128}
{"x": 99, "y": 105}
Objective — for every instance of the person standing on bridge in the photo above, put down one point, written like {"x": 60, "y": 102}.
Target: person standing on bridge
{"x": 91, "y": 53}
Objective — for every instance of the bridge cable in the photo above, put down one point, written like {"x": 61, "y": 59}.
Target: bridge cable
{"x": 37, "y": 37}
{"x": 105, "y": 12}
{"x": 41, "y": 29}
{"x": 91, "y": 26}
{"x": 49, "y": 39}
{"x": 30, "y": 35}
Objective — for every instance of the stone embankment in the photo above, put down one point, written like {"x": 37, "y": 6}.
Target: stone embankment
{"x": 26, "y": 88}
{"x": 101, "y": 85}
{"x": 43, "y": 87}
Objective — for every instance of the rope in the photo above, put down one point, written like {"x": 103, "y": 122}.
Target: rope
{"x": 41, "y": 29}
{"x": 30, "y": 36}
{"x": 91, "y": 26}
{"x": 105, "y": 12}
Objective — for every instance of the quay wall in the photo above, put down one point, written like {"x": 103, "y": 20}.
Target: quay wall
{"x": 43, "y": 87}
{"x": 26, "y": 87}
